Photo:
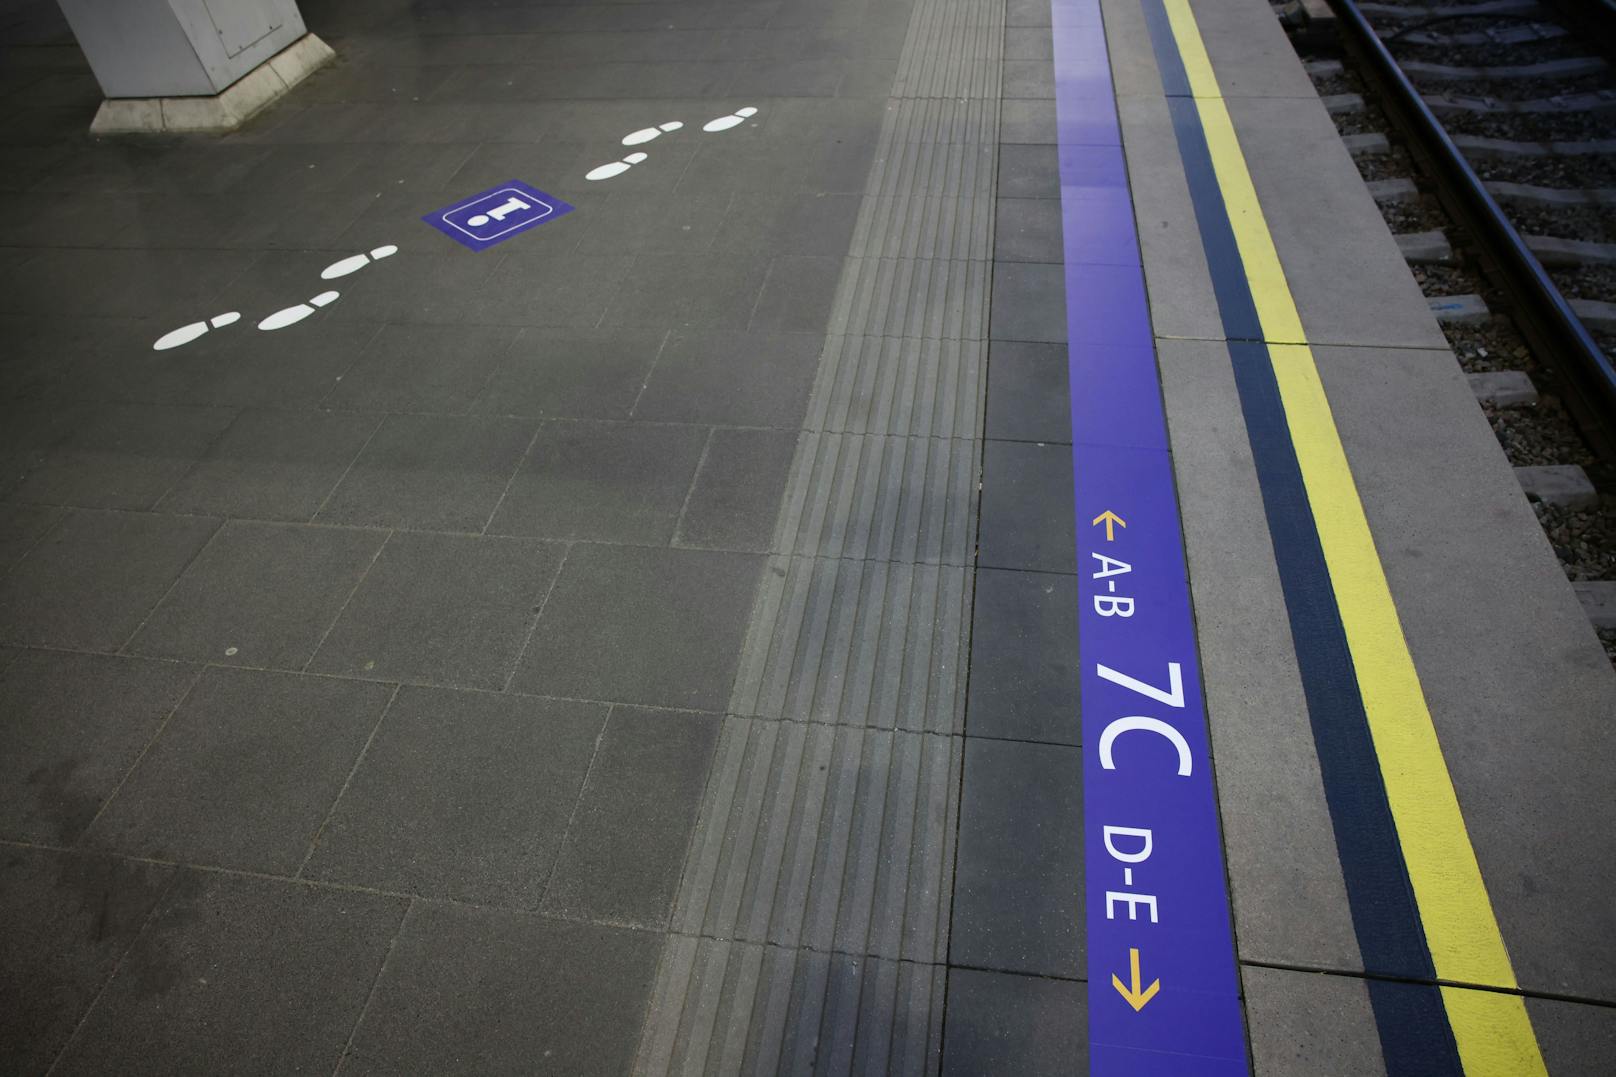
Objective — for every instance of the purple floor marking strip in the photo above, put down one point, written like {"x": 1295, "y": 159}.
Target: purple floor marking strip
{"x": 1153, "y": 855}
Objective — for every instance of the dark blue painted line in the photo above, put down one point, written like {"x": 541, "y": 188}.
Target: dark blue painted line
{"x": 1416, "y": 1038}
{"x": 1164, "y": 992}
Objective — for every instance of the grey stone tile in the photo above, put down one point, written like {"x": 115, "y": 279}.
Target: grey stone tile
{"x": 703, "y": 291}
{"x": 1033, "y": 77}
{"x": 1029, "y": 302}
{"x": 244, "y": 772}
{"x": 572, "y": 374}
{"x": 636, "y": 625}
{"x": 800, "y": 223}
{"x": 1251, "y": 53}
{"x": 71, "y": 726}
{"x": 565, "y": 293}
{"x": 1028, "y": 230}
{"x": 739, "y": 379}
{"x": 801, "y": 78}
{"x": 1018, "y": 877}
{"x": 1026, "y": 13}
{"x": 798, "y": 295}
{"x": 272, "y": 465}
{"x": 1308, "y": 1023}
{"x": 124, "y": 456}
{"x": 626, "y": 845}
{"x": 1028, "y": 122}
{"x": 443, "y": 609}
{"x": 463, "y": 796}
{"x": 91, "y": 580}
{"x": 431, "y": 368}
{"x": 1029, "y": 394}
{"x": 999, "y": 1022}
{"x": 736, "y": 495}
{"x": 430, "y": 472}
{"x": 68, "y": 919}
{"x": 271, "y": 370}
{"x": 518, "y": 993}
{"x": 21, "y": 527}
{"x": 205, "y": 989}
{"x": 1577, "y": 1040}
{"x": 1028, "y": 172}
{"x": 1022, "y": 43}
{"x": 1024, "y": 668}
{"x": 120, "y": 283}
{"x": 260, "y": 595}
{"x": 1027, "y": 514}
{"x": 610, "y": 482}
{"x": 655, "y": 222}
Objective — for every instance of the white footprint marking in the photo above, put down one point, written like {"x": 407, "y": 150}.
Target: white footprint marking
{"x": 616, "y": 168}
{"x": 187, "y": 333}
{"x": 734, "y": 119}
{"x": 292, "y": 315}
{"x": 646, "y": 134}
{"x": 356, "y": 263}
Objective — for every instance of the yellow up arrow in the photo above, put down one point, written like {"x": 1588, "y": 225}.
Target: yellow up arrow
{"x": 1112, "y": 520}
{"x": 1136, "y": 998}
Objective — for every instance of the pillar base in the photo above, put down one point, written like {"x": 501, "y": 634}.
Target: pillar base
{"x": 226, "y": 111}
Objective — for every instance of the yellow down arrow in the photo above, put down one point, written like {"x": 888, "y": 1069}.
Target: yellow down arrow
{"x": 1136, "y": 998}
{"x": 1112, "y": 521}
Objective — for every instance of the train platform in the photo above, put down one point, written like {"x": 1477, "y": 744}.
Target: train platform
{"x": 751, "y": 537}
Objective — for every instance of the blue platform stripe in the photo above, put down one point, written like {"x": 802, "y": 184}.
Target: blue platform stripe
{"x": 1164, "y": 993}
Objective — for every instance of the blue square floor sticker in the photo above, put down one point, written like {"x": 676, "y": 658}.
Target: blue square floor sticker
{"x": 496, "y": 215}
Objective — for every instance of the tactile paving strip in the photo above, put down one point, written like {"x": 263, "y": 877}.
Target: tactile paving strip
{"x": 811, "y": 923}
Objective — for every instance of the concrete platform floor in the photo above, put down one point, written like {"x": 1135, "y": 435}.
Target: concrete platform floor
{"x": 649, "y": 644}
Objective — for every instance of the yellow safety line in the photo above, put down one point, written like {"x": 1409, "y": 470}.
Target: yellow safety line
{"x": 1493, "y": 1032}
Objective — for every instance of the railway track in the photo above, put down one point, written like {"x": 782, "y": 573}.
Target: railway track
{"x": 1499, "y": 179}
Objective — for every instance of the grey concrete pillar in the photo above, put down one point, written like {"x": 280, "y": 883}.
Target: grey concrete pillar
{"x": 191, "y": 64}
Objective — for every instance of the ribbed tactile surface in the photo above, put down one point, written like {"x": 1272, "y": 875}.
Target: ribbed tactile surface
{"x": 811, "y": 921}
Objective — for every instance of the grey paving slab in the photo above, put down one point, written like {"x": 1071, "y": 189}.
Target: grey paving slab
{"x": 1029, "y": 302}
{"x": 1029, "y": 122}
{"x": 1027, "y": 515}
{"x": 1029, "y": 395}
{"x": 1576, "y": 1040}
{"x": 1306, "y": 1023}
{"x": 1024, "y": 43}
{"x": 809, "y": 223}
{"x": 572, "y": 374}
{"x": 244, "y": 772}
{"x": 626, "y": 843}
{"x": 706, "y": 291}
{"x": 1000, "y": 1022}
{"x": 73, "y": 725}
{"x": 22, "y": 526}
{"x": 1453, "y": 532}
{"x": 1028, "y": 172}
{"x": 92, "y": 579}
{"x": 551, "y": 293}
{"x": 797, "y": 295}
{"x": 1024, "y": 667}
{"x": 741, "y": 379}
{"x": 1289, "y": 909}
{"x": 248, "y": 369}
{"x": 124, "y": 456}
{"x": 1018, "y": 875}
{"x": 606, "y": 482}
{"x": 259, "y": 595}
{"x": 1179, "y": 283}
{"x": 130, "y": 283}
{"x": 422, "y": 368}
{"x": 505, "y": 993}
{"x": 205, "y": 987}
{"x": 655, "y": 222}
{"x": 1030, "y": 77}
{"x": 1249, "y": 51}
{"x": 462, "y": 796}
{"x": 69, "y": 918}
{"x": 442, "y": 609}
{"x": 1026, "y": 13}
{"x": 442, "y": 473}
{"x": 272, "y": 465}
{"x": 1028, "y": 230}
{"x": 733, "y": 501}
{"x": 679, "y": 647}
{"x": 1336, "y": 249}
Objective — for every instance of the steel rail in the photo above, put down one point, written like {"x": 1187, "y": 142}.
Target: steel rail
{"x": 1553, "y": 330}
